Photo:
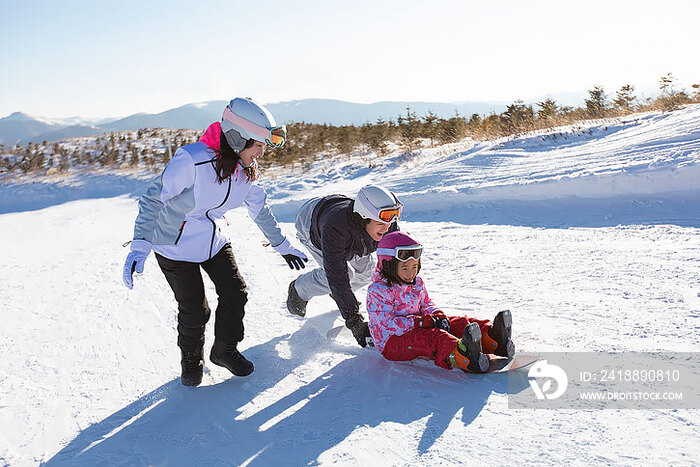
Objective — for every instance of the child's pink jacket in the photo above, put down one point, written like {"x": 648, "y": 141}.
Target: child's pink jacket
{"x": 389, "y": 308}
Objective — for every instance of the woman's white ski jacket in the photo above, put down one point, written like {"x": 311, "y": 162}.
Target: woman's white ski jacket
{"x": 182, "y": 211}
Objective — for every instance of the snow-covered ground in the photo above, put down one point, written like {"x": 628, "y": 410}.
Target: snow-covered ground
{"x": 592, "y": 238}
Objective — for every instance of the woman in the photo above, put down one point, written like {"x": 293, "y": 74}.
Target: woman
{"x": 180, "y": 218}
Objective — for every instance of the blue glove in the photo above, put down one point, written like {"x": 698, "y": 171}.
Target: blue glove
{"x": 135, "y": 261}
{"x": 295, "y": 258}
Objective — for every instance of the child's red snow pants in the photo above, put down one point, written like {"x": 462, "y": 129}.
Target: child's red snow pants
{"x": 432, "y": 343}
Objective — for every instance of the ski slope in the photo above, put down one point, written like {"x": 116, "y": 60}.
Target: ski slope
{"x": 593, "y": 241}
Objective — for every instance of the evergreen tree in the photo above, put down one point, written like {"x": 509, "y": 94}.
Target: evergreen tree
{"x": 597, "y": 103}
{"x": 548, "y": 110}
{"x": 518, "y": 117}
{"x": 343, "y": 140}
{"x": 134, "y": 160}
{"x": 63, "y": 163}
{"x": 110, "y": 158}
{"x": 451, "y": 130}
{"x": 35, "y": 161}
{"x": 666, "y": 84}
{"x": 430, "y": 126}
{"x": 625, "y": 98}
{"x": 696, "y": 91}
{"x": 375, "y": 136}
{"x": 670, "y": 98}
{"x": 408, "y": 129}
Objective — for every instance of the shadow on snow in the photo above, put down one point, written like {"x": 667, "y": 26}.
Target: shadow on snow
{"x": 34, "y": 196}
{"x": 679, "y": 208}
{"x": 217, "y": 424}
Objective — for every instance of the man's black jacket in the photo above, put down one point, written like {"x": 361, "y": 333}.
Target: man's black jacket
{"x": 340, "y": 236}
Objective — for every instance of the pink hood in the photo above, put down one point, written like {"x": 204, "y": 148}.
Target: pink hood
{"x": 212, "y": 137}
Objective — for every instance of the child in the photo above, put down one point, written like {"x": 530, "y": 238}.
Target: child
{"x": 405, "y": 323}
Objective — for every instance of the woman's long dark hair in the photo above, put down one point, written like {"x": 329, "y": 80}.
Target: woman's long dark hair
{"x": 227, "y": 159}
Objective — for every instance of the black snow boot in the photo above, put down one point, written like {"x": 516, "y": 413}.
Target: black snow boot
{"x": 497, "y": 339}
{"x": 295, "y": 304}
{"x": 192, "y": 367}
{"x": 467, "y": 353}
{"x": 228, "y": 356}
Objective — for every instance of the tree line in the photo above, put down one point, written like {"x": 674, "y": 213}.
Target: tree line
{"x": 307, "y": 142}
{"x": 144, "y": 148}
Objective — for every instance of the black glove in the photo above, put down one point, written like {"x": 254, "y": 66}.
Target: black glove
{"x": 295, "y": 262}
{"x": 294, "y": 258}
{"x": 441, "y": 321}
{"x": 360, "y": 330}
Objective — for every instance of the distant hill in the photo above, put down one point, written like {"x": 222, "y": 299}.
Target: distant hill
{"x": 349, "y": 113}
{"x": 66, "y": 132}
{"x": 20, "y": 126}
{"x": 24, "y": 128}
{"x": 193, "y": 116}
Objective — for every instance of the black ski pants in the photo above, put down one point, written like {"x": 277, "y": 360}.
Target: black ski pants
{"x": 185, "y": 279}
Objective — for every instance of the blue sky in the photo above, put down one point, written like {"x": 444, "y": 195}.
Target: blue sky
{"x": 108, "y": 59}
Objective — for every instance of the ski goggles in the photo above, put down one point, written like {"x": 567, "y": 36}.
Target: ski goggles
{"x": 278, "y": 136}
{"x": 402, "y": 253}
{"x": 390, "y": 214}
{"x": 274, "y": 137}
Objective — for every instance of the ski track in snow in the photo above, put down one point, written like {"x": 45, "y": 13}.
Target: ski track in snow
{"x": 90, "y": 370}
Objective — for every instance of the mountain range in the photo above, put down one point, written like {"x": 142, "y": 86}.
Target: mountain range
{"x": 22, "y": 128}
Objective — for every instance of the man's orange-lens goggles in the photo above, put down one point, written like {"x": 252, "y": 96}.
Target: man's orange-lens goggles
{"x": 390, "y": 214}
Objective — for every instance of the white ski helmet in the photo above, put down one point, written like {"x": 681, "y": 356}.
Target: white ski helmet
{"x": 245, "y": 119}
{"x": 377, "y": 203}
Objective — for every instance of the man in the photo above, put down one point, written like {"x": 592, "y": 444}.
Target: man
{"x": 341, "y": 234}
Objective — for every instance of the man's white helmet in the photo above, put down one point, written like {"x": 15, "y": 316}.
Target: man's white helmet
{"x": 377, "y": 203}
{"x": 245, "y": 119}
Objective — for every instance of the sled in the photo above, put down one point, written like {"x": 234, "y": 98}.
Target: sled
{"x": 503, "y": 365}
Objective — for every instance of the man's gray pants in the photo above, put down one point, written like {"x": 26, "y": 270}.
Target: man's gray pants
{"x": 315, "y": 283}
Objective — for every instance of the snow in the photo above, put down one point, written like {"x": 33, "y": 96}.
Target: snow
{"x": 591, "y": 240}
